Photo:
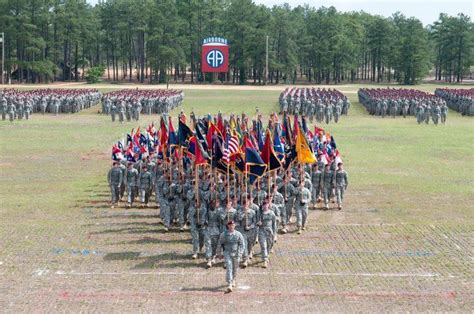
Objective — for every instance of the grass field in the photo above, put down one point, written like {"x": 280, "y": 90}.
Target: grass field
{"x": 404, "y": 240}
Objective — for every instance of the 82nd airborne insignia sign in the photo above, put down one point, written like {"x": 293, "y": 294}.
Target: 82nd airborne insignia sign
{"x": 215, "y": 55}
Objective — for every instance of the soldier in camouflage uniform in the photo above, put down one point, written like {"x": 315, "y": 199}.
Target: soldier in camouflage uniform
{"x": 341, "y": 184}
{"x": 232, "y": 243}
{"x": 131, "y": 179}
{"x": 145, "y": 182}
{"x": 115, "y": 178}
{"x": 266, "y": 231}
{"x": 302, "y": 204}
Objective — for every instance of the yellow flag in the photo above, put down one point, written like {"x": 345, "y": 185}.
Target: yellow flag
{"x": 303, "y": 152}
{"x": 232, "y": 124}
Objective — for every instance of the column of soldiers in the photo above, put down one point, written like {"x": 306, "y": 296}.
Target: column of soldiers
{"x": 404, "y": 102}
{"x": 225, "y": 212}
{"x": 128, "y": 104}
{"x": 320, "y": 104}
{"x": 21, "y": 104}
{"x": 460, "y": 100}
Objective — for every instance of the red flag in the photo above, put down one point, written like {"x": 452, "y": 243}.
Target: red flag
{"x": 200, "y": 158}
{"x": 163, "y": 133}
{"x": 267, "y": 148}
{"x": 210, "y": 133}
{"x": 220, "y": 123}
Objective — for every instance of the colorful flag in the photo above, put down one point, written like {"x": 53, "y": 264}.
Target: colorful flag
{"x": 304, "y": 153}
{"x": 268, "y": 155}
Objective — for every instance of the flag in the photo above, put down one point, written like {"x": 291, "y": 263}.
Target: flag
{"x": 268, "y": 155}
{"x": 201, "y": 156}
{"x": 231, "y": 147}
{"x": 278, "y": 147}
{"x": 295, "y": 127}
{"x": 254, "y": 164}
{"x": 220, "y": 123}
{"x": 184, "y": 133}
{"x": 172, "y": 138}
{"x": 116, "y": 153}
{"x": 195, "y": 149}
{"x": 211, "y": 134}
{"x": 287, "y": 130}
{"x": 303, "y": 124}
{"x": 304, "y": 153}
{"x": 163, "y": 132}
{"x": 201, "y": 131}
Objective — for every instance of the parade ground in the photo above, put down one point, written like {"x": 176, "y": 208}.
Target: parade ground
{"x": 404, "y": 240}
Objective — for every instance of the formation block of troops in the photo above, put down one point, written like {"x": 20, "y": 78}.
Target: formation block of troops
{"x": 320, "y": 104}
{"x": 21, "y": 104}
{"x": 128, "y": 104}
{"x": 460, "y": 100}
{"x": 404, "y": 102}
{"x": 230, "y": 189}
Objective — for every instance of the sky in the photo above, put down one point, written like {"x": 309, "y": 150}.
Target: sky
{"x": 427, "y": 11}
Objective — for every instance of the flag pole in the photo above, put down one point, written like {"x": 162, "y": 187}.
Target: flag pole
{"x": 228, "y": 182}
{"x": 196, "y": 183}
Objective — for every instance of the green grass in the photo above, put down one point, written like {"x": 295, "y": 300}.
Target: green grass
{"x": 407, "y": 172}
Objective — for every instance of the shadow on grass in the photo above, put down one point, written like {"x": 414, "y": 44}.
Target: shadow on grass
{"x": 132, "y": 216}
{"x": 135, "y": 223}
{"x": 166, "y": 260}
{"x": 169, "y": 260}
{"x": 126, "y": 230}
{"x": 149, "y": 240}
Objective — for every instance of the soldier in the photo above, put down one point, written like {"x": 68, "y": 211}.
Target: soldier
{"x": 3, "y": 107}
{"x": 131, "y": 179}
{"x": 266, "y": 231}
{"x": 426, "y": 116}
{"x": 327, "y": 113}
{"x": 444, "y": 113}
{"x": 419, "y": 114}
{"x": 279, "y": 203}
{"x": 113, "y": 111}
{"x": 232, "y": 243}
{"x": 197, "y": 219}
{"x": 327, "y": 184}
{"x": 316, "y": 176}
{"x": 302, "y": 203}
{"x": 247, "y": 225}
{"x": 114, "y": 177}
{"x": 230, "y": 213}
{"x": 212, "y": 232}
{"x": 145, "y": 182}
{"x": 121, "y": 111}
{"x": 341, "y": 184}
{"x": 11, "y": 112}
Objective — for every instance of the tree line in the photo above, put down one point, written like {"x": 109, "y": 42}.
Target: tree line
{"x": 160, "y": 40}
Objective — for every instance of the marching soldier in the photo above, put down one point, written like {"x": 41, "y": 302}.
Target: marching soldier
{"x": 232, "y": 243}
{"x": 114, "y": 177}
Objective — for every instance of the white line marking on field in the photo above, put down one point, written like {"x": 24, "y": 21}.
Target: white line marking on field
{"x": 73, "y": 273}
{"x": 40, "y": 272}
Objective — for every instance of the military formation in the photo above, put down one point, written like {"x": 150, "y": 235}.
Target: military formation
{"x": 229, "y": 190}
{"x": 21, "y": 104}
{"x": 320, "y": 104}
{"x": 460, "y": 100}
{"x": 128, "y": 104}
{"x": 392, "y": 102}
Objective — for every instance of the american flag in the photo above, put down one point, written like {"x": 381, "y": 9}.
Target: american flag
{"x": 231, "y": 147}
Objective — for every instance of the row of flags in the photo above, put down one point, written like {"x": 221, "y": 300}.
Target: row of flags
{"x": 231, "y": 145}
